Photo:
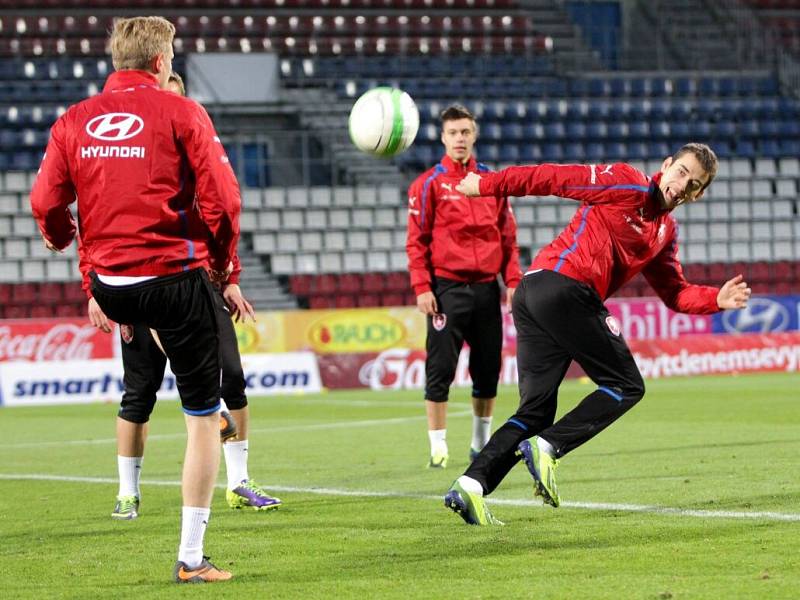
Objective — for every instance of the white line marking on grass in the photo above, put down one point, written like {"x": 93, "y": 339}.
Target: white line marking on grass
{"x": 640, "y": 508}
{"x": 311, "y": 427}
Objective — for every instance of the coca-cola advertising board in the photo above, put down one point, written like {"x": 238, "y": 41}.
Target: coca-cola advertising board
{"x": 36, "y": 340}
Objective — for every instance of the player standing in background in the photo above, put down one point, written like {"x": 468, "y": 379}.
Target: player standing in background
{"x": 456, "y": 248}
{"x": 144, "y": 364}
{"x": 624, "y": 226}
{"x": 126, "y": 155}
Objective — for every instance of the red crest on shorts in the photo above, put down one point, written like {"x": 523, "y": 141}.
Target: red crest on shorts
{"x": 439, "y": 320}
{"x": 613, "y": 325}
{"x": 126, "y": 333}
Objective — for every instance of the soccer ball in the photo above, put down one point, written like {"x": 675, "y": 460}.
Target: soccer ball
{"x": 384, "y": 122}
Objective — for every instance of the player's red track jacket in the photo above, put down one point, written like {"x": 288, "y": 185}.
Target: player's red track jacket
{"x": 127, "y": 155}
{"x": 619, "y": 230}
{"x": 455, "y": 237}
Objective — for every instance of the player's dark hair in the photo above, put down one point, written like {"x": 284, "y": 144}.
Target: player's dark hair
{"x": 455, "y": 112}
{"x": 704, "y": 155}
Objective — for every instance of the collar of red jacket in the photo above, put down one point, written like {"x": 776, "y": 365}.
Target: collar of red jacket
{"x": 654, "y": 204}
{"x": 129, "y": 78}
{"x": 456, "y": 167}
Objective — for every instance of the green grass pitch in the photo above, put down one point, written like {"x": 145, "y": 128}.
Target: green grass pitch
{"x": 693, "y": 494}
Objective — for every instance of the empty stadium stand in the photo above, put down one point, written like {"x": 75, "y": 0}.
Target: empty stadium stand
{"x": 523, "y": 67}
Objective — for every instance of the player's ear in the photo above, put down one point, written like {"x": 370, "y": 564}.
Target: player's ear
{"x": 665, "y": 165}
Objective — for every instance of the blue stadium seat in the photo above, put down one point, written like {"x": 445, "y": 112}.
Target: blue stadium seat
{"x": 575, "y": 130}
{"x": 750, "y": 128}
{"x": 726, "y": 86}
{"x": 708, "y": 86}
{"x": 789, "y": 147}
{"x": 639, "y": 151}
{"x": 595, "y": 152}
{"x": 790, "y": 128}
{"x": 533, "y": 132}
{"x": 617, "y": 130}
{"x": 512, "y": 132}
{"x": 724, "y": 129}
{"x": 491, "y": 131}
{"x": 722, "y": 148}
{"x": 769, "y": 149}
{"x": 619, "y": 110}
{"x": 596, "y": 130}
{"x": 530, "y": 153}
{"x": 770, "y": 128}
{"x": 598, "y": 110}
{"x": 682, "y": 110}
{"x": 660, "y": 130}
{"x": 616, "y": 151}
{"x": 745, "y": 149}
{"x": 658, "y": 150}
{"x": 599, "y": 87}
{"x": 767, "y": 86}
{"x": 552, "y": 152}
{"x": 639, "y": 129}
{"x": 686, "y": 86}
{"x": 574, "y": 152}
{"x": 681, "y": 131}
{"x": 494, "y": 111}
{"x": 579, "y": 87}
{"x": 555, "y": 131}
{"x": 620, "y": 87}
{"x": 577, "y": 110}
{"x": 640, "y": 87}
{"x": 509, "y": 153}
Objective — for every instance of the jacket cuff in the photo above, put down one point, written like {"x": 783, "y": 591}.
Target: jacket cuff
{"x": 421, "y": 288}
{"x": 487, "y": 184}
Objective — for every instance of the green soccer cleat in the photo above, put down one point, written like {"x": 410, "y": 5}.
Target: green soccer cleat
{"x": 470, "y": 507}
{"x": 248, "y": 494}
{"x": 542, "y": 467}
{"x": 438, "y": 461}
{"x": 126, "y": 508}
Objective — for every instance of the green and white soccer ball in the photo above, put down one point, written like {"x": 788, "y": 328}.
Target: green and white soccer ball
{"x": 384, "y": 122}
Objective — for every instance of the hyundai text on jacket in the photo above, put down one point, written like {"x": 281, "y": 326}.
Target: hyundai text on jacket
{"x": 127, "y": 155}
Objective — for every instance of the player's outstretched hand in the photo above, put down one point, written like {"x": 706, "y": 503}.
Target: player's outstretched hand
{"x": 97, "y": 317}
{"x": 239, "y": 306}
{"x": 48, "y": 244}
{"x": 426, "y": 303}
{"x": 734, "y": 294}
{"x": 470, "y": 185}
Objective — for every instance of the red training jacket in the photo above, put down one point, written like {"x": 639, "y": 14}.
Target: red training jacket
{"x": 127, "y": 154}
{"x": 456, "y": 237}
{"x": 619, "y": 230}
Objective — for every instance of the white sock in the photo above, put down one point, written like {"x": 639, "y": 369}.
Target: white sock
{"x": 545, "y": 446}
{"x": 438, "y": 438}
{"x": 235, "y": 462}
{"x": 129, "y": 469}
{"x": 470, "y": 485}
{"x": 481, "y": 431}
{"x": 194, "y": 521}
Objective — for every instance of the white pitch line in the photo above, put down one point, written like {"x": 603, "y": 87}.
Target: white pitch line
{"x": 173, "y": 436}
{"x": 639, "y": 508}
